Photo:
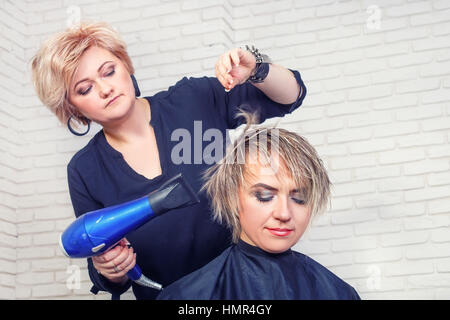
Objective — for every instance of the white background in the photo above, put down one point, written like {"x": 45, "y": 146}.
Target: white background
{"x": 377, "y": 110}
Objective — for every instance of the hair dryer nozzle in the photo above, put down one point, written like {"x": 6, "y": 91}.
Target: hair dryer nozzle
{"x": 175, "y": 193}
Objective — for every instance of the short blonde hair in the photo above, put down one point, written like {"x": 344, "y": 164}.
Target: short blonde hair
{"x": 299, "y": 160}
{"x": 57, "y": 60}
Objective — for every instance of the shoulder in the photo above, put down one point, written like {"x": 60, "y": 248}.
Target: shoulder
{"x": 323, "y": 276}
{"x": 188, "y": 84}
{"x": 82, "y": 160}
{"x": 198, "y": 285}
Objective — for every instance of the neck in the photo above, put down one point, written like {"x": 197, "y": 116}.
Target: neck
{"x": 134, "y": 126}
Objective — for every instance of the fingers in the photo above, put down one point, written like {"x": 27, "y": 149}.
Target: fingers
{"x": 223, "y": 75}
{"x": 234, "y": 54}
{"x": 122, "y": 260}
{"x": 224, "y": 66}
{"x": 115, "y": 263}
{"x": 120, "y": 268}
{"x": 108, "y": 255}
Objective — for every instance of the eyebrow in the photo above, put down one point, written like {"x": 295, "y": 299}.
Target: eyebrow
{"x": 98, "y": 70}
{"x": 265, "y": 186}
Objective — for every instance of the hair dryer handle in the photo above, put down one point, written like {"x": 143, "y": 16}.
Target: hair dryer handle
{"x": 136, "y": 275}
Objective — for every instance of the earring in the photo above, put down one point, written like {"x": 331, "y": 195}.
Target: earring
{"x": 137, "y": 92}
{"x": 75, "y": 132}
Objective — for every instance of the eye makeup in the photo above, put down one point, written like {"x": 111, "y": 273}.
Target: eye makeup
{"x": 266, "y": 193}
{"x": 110, "y": 71}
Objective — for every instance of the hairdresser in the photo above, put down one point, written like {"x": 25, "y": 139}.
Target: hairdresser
{"x": 85, "y": 75}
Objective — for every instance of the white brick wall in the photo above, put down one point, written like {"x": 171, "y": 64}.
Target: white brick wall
{"x": 12, "y": 74}
{"x": 377, "y": 111}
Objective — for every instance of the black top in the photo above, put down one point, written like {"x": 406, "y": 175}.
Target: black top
{"x": 188, "y": 120}
{"x": 246, "y": 272}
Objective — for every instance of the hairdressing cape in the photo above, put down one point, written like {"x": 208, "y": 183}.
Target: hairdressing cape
{"x": 245, "y": 272}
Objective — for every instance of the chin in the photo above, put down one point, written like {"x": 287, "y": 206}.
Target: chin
{"x": 122, "y": 108}
{"x": 277, "y": 246}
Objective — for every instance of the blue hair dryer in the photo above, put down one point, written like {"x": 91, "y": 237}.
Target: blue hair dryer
{"x": 97, "y": 231}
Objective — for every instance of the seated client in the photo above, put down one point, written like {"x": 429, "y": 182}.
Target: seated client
{"x": 268, "y": 187}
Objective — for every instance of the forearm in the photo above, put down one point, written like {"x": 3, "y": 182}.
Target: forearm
{"x": 235, "y": 66}
{"x": 280, "y": 85}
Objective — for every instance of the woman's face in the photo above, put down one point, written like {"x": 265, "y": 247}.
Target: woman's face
{"x": 101, "y": 88}
{"x": 273, "y": 214}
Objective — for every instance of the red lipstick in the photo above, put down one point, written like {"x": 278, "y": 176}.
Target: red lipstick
{"x": 280, "y": 232}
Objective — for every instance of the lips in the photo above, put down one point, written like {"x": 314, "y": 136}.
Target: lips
{"x": 112, "y": 101}
{"x": 280, "y": 232}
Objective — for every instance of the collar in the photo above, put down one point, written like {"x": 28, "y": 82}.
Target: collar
{"x": 251, "y": 250}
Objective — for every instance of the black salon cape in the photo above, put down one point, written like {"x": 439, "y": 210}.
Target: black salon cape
{"x": 245, "y": 272}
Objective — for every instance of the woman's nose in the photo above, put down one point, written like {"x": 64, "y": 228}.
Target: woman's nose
{"x": 282, "y": 211}
{"x": 104, "y": 88}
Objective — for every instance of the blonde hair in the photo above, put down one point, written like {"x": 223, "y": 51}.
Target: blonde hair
{"x": 55, "y": 63}
{"x": 299, "y": 160}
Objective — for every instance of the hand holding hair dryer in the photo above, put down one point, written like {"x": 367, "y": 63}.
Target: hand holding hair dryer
{"x": 97, "y": 231}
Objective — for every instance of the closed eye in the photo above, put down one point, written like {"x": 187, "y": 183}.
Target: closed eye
{"x": 110, "y": 73}
{"x": 84, "y": 92}
{"x": 264, "y": 196}
{"x": 298, "y": 201}
{"x": 298, "y": 197}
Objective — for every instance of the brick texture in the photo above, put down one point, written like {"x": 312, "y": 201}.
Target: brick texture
{"x": 377, "y": 110}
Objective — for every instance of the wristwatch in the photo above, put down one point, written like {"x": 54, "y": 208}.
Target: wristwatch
{"x": 262, "y": 65}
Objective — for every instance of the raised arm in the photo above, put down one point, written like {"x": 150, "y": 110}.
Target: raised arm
{"x": 236, "y": 66}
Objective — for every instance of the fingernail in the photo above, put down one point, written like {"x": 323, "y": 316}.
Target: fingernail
{"x": 227, "y": 90}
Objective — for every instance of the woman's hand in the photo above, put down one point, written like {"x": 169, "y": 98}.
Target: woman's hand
{"x": 235, "y": 67}
{"x": 116, "y": 262}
